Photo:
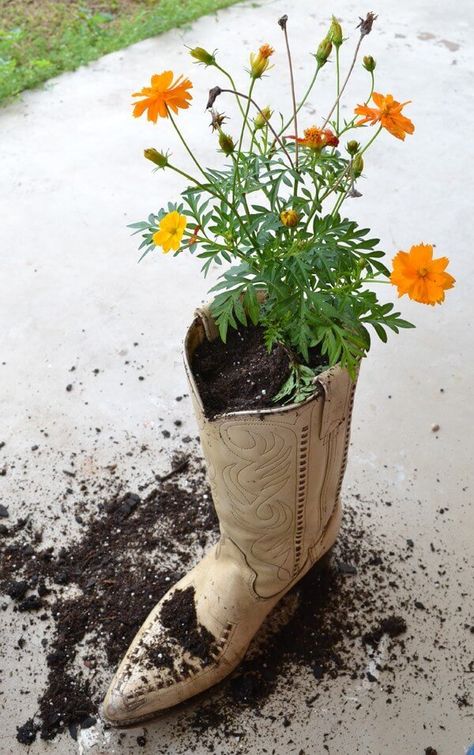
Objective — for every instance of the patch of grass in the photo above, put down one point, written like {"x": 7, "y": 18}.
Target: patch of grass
{"x": 42, "y": 38}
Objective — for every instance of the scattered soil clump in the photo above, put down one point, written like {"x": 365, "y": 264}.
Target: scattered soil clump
{"x": 392, "y": 626}
{"x": 178, "y": 616}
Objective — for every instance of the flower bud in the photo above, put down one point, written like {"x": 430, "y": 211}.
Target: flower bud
{"x": 202, "y": 56}
{"x": 323, "y": 52}
{"x": 226, "y": 143}
{"x": 156, "y": 157}
{"x": 369, "y": 63}
{"x": 259, "y": 63}
{"x": 357, "y": 165}
{"x": 352, "y": 147}
{"x": 263, "y": 117}
{"x": 335, "y": 32}
{"x": 289, "y": 218}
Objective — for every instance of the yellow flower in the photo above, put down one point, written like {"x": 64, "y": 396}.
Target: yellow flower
{"x": 290, "y": 218}
{"x": 171, "y": 231}
{"x": 420, "y": 276}
{"x": 259, "y": 63}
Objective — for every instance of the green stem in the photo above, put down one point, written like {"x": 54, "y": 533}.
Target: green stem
{"x": 277, "y": 137}
{"x": 242, "y": 131}
{"x": 293, "y": 97}
{"x": 352, "y": 124}
{"x": 229, "y": 77}
{"x": 305, "y": 97}
{"x": 356, "y": 52}
{"x": 344, "y": 194}
{"x": 371, "y": 141}
{"x": 185, "y": 145}
{"x": 338, "y": 83}
{"x": 217, "y": 195}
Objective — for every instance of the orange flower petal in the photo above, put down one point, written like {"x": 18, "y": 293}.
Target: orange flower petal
{"x": 420, "y": 276}
{"x": 163, "y": 94}
{"x": 388, "y": 113}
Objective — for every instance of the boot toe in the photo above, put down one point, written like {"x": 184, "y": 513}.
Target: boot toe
{"x": 114, "y": 709}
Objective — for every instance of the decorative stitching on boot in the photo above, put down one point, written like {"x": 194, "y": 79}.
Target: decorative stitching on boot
{"x": 186, "y": 669}
{"x": 301, "y": 496}
{"x": 254, "y": 484}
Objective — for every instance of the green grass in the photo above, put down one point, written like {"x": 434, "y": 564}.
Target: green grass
{"x": 42, "y": 38}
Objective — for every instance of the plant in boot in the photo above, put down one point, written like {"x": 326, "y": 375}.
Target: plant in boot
{"x": 296, "y": 265}
{"x": 300, "y": 275}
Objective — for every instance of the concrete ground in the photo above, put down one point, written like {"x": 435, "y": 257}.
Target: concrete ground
{"x": 71, "y": 293}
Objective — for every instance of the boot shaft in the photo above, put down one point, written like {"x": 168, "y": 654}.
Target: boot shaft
{"x": 275, "y": 474}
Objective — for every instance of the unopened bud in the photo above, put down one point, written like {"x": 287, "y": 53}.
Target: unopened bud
{"x": 369, "y": 63}
{"x": 289, "y": 218}
{"x": 323, "y": 52}
{"x": 335, "y": 32}
{"x": 156, "y": 157}
{"x": 263, "y": 117}
{"x": 260, "y": 62}
{"x": 357, "y": 165}
{"x": 352, "y": 147}
{"x": 203, "y": 56}
{"x": 226, "y": 143}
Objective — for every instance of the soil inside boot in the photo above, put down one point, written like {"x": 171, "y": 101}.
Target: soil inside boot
{"x": 242, "y": 374}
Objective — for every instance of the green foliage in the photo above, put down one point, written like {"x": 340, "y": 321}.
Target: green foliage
{"x": 42, "y": 39}
{"x": 299, "y": 386}
{"x": 307, "y": 286}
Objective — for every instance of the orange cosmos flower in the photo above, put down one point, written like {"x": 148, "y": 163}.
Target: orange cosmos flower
{"x": 162, "y": 94}
{"x": 317, "y": 138}
{"x": 420, "y": 276}
{"x": 388, "y": 113}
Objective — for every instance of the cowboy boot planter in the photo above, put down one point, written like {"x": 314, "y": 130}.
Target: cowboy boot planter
{"x": 275, "y": 477}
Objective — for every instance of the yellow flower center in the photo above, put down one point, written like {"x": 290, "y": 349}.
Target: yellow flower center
{"x": 423, "y": 272}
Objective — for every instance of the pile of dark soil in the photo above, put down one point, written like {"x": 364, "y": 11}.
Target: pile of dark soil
{"x": 117, "y": 565}
{"x": 100, "y": 588}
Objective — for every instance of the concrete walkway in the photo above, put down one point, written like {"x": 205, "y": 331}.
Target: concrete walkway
{"x": 71, "y": 293}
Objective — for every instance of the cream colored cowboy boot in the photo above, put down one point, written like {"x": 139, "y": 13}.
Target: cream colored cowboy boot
{"x": 275, "y": 476}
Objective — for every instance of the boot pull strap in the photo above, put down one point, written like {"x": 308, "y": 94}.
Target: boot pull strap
{"x": 210, "y": 327}
{"x": 336, "y": 385}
